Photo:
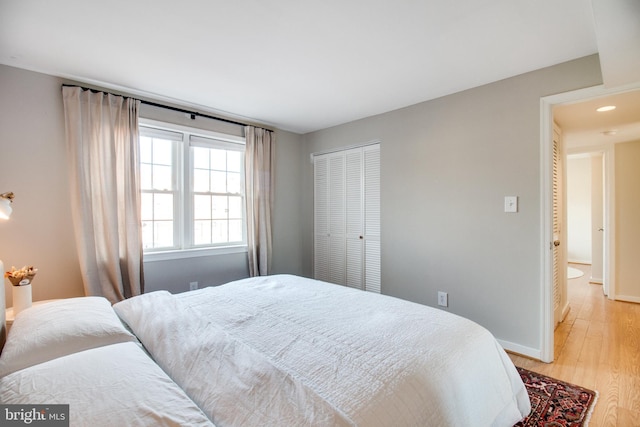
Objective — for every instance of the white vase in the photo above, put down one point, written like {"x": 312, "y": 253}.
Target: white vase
{"x": 21, "y": 298}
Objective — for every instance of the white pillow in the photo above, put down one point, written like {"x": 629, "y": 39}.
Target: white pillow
{"x": 48, "y": 331}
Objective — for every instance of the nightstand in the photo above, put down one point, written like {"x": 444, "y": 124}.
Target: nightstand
{"x": 10, "y": 316}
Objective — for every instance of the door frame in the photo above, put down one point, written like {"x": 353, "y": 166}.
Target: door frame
{"x": 546, "y": 208}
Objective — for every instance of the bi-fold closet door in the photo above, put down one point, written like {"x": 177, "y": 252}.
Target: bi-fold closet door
{"x": 347, "y": 217}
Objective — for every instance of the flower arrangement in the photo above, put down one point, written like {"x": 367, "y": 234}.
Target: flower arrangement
{"x": 16, "y": 277}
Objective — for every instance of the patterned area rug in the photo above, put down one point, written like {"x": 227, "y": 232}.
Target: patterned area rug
{"x": 556, "y": 403}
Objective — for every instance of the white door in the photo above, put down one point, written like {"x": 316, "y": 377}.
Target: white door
{"x": 559, "y": 265}
{"x": 372, "y": 220}
{"x": 347, "y": 217}
{"x": 321, "y": 218}
{"x": 597, "y": 218}
{"x": 355, "y": 216}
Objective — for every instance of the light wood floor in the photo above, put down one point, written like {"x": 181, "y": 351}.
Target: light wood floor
{"x": 597, "y": 346}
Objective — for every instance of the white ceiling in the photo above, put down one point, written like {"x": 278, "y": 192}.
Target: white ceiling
{"x": 303, "y": 65}
{"x": 583, "y": 127}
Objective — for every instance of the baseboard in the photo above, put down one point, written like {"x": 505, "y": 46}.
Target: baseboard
{"x": 511, "y": 347}
{"x": 565, "y": 311}
{"x": 627, "y": 298}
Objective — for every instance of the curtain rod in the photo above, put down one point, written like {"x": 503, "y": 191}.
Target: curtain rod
{"x": 193, "y": 114}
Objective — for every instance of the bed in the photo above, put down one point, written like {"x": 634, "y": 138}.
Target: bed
{"x": 270, "y": 351}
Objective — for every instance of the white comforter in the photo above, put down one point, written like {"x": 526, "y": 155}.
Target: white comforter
{"x": 288, "y": 351}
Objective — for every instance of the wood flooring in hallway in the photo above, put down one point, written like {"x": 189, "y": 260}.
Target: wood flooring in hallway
{"x": 597, "y": 346}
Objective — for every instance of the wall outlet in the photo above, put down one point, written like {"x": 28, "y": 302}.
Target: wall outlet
{"x": 193, "y": 286}
{"x": 443, "y": 299}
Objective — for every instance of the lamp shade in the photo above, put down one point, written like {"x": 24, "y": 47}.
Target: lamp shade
{"x": 5, "y": 208}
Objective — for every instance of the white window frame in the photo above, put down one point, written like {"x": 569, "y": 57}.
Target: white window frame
{"x": 183, "y": 213}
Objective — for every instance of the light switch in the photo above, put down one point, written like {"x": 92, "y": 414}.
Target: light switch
{"x": 511, "y": 204}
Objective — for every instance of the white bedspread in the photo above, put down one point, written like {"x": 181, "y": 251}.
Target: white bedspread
{"x": 288, "y": 351}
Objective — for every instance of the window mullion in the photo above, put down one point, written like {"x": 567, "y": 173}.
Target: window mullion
{"x": 184, "y": 193}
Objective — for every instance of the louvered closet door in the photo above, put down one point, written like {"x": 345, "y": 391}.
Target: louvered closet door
{"x": 559, "y": 267}
{"x": 355, "y": 226}
{"x": 347, "y": 217}
{"x": 321, "y": 218}
{"x": 372, "y": 250}
{"x": 337, "y": 226}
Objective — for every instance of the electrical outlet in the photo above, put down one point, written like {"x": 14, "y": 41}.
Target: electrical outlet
{"x": 193, "y": 286}
{"x": 443, "y": 299}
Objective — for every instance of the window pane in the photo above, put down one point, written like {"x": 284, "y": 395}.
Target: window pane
{"x": 147, "y": 234}
{"x": 234, "y": 161}
{"x": 163, "y": 234}
{"x": 200, "y": 157}
{"x": 202, "y": 232}
{"x": 219, "y": 207}
{"x": 162, "y": 151}
{"x": 146, "y": 206}
{"x": 163, "y": 207}
{"x": 218, "y": 182}
{"x": 145, "y": 177}
{"x": 235, "y": 207}
{"x": 162, "y": 178}
{"x": 233, "y": 183}
{"x": 201, "y": 180}
{"x": 235, "y": 230}
{"x": 219, "y": 232}
{"x": 145, "y": 149}
{"x": 201, "y": 207}
{"x": 218, "y": 159}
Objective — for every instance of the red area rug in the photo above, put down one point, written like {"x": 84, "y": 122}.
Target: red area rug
{"x": 556, "y": 403}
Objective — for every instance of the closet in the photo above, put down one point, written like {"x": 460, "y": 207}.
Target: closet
{"x": 347, "y": 217}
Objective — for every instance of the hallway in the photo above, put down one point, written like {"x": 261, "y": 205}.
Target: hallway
{"x": 597, "y": 346}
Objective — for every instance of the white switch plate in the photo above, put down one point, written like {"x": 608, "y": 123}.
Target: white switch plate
{"x": 443, "y": 299}
{"x": 511, "y": 204}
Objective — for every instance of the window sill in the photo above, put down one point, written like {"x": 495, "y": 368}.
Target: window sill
{"x": 193, "y": 253}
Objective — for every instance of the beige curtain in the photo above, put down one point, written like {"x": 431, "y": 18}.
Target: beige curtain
{"x": 102, "y": 142}
{"x": 259, "y": 183}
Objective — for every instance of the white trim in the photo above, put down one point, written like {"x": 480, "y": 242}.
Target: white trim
{"x": 170, "y": 127}
{"x": 152, "y": 96}
{"x": 546, "y": 225}
{"x": 348, "y": 147}
{"x": 520, "y": 349}
{"x": 579, "y": 261}
{"x": 628, "y": 298}
{"x": 565, "y": 310}
{"x": 193, "y": 253}
{"x": 546, "y": 193}
{"x": 609, "y": 279}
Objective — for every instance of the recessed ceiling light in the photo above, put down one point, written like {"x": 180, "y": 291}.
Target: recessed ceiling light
{"x": 610, "y": 132}
{"x": 606, "y": 108}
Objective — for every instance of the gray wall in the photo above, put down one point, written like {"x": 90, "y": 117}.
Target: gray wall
{"x": 33, "y": 164}
{"x": 446, "y": 166}
{"x": 627, "y": 212}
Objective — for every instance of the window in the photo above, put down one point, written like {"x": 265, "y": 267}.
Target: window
{"x": 192, "y": 189}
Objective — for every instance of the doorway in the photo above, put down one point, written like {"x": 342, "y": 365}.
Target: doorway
{"x": 585, "y": 186}
{"x": 548, "y": 105}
